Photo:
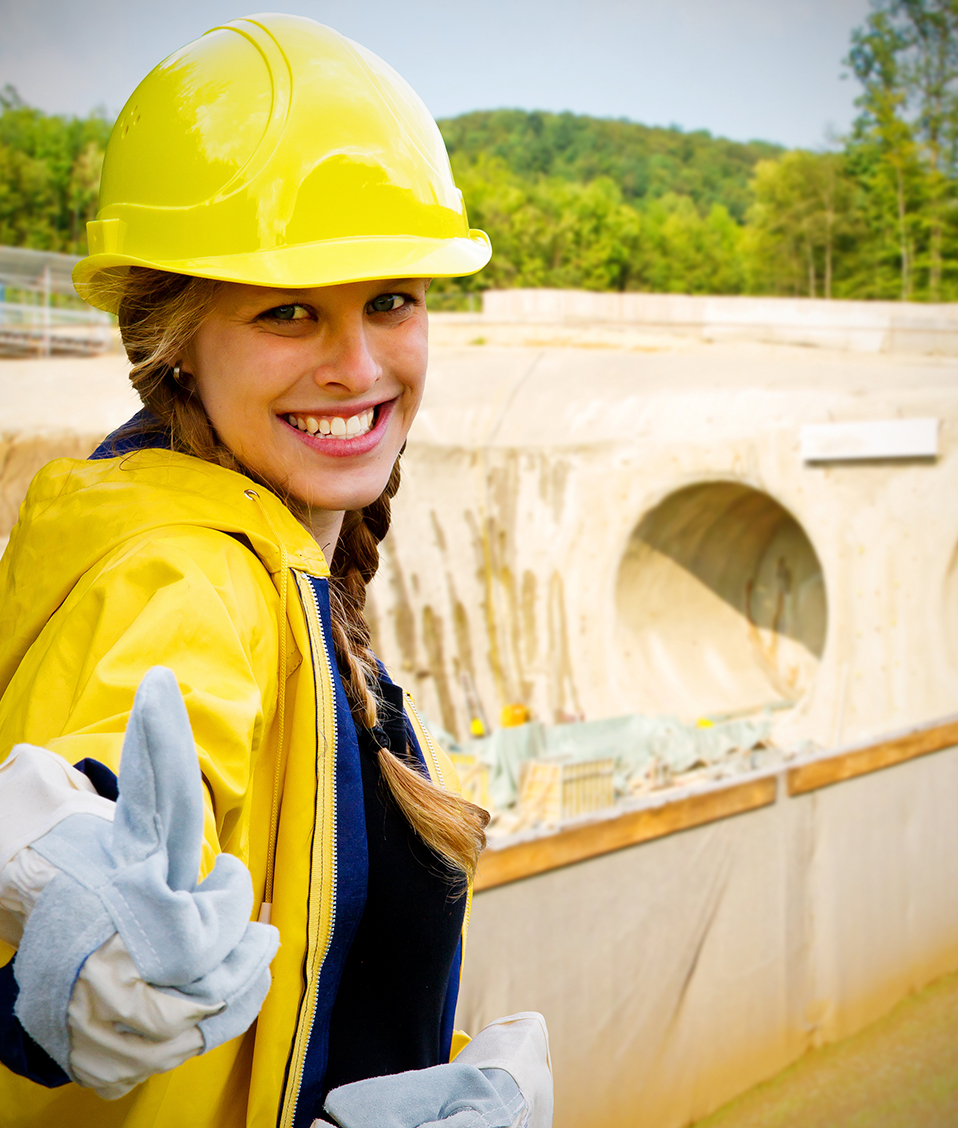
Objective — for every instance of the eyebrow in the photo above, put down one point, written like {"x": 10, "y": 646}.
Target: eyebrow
{"x": 278, "y": 297}
{"x": 268, "y": 293}
{"x": 294, "y": 292}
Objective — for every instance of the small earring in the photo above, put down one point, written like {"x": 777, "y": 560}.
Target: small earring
{"x": 179, "y": 377}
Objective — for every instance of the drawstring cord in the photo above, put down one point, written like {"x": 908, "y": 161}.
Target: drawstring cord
{"x": 265, "y": 910}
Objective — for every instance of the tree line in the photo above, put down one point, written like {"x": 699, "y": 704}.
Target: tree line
{"x": 579, "y": 202}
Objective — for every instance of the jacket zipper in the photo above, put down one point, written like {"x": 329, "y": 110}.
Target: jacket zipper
{"x": 304, "y": 1033}
{"x": 429, "y": 743}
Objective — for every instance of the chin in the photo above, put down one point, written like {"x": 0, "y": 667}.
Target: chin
{"x": 320, "y": 492}
{"x": 335, "y": 501}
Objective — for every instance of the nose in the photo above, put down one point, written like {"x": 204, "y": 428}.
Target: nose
{"x": 347, "y": 365}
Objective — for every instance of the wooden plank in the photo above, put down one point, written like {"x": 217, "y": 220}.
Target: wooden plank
{"x": 871, "y": 758}
{"x": 566, "y": 847}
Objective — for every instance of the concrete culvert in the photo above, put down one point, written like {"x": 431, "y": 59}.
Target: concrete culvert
{"x": 721, "y": 605}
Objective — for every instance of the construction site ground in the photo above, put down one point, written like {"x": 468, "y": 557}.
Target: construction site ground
{"x": 901, "y": 1072}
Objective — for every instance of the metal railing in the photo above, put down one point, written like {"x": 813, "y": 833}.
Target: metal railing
{"x": 46, "y": 326}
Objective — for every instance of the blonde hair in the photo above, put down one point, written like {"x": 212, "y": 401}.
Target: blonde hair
{"x": 159, "y": 314}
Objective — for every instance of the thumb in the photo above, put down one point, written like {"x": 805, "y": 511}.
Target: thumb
{"x": 160, "y": 805}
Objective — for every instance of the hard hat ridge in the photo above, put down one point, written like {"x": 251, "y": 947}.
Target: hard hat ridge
{"x": 274, "y": 151}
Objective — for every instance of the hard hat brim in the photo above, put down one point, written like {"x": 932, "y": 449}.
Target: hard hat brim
{"x": 304, "y": 266}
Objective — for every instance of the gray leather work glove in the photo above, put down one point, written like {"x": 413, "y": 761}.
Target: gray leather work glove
{"x": 129, "y": 887}
{"x": 502, "y": 1079}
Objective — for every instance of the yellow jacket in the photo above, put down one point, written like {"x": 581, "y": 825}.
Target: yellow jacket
{"x": 119, "y": 565}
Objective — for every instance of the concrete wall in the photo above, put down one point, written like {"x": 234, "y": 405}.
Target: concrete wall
{"x": 891, "y": 327}
{"x": 593, "y": 532}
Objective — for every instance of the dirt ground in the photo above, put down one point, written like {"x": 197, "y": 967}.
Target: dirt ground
{"x": 902, "y": 1072}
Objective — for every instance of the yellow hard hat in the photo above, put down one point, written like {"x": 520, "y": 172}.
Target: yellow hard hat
{"x": 277, "y": 152}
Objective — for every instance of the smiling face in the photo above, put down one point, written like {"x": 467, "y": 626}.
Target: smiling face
{"x": 315, "y": 390}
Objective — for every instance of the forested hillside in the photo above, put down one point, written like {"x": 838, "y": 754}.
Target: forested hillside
{"x": 575, "y": 201}
{"x": 646, "y": 162}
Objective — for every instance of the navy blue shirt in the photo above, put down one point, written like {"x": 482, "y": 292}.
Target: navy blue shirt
{"x": 389, "y": 1009}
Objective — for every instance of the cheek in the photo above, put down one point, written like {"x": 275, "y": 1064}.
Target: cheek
{"x": 413, "y": 373}
{"x": 212, "y": 360}
{"x": 226, "y": 406}
{"x": 231, "y": 386}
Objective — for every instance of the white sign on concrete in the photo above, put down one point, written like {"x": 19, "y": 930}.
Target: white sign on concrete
{"x": 881, "y": 438}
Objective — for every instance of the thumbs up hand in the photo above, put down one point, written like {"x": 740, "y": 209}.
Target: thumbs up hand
{"x": 127, "y": 965}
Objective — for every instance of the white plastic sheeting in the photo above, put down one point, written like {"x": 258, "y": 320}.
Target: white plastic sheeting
{"x": 679, "y": 973}
{"x": 636, "y": 743}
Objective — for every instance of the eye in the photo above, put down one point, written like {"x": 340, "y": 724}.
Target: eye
{"x": 386, "y": 303}
{"x": 286, "y": 313}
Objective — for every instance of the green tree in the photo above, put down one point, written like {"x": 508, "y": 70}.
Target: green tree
{"x": 888, "y": 155}
{"x": 553, "y": 232}
{"x": 549, "y": 232}
{"x": 930, "y": 70}
{"x": 49, "y": 175}
{"x": 902, "y": 148}
{"x": 805, "y": 207}
{"x": 685, "y": 252}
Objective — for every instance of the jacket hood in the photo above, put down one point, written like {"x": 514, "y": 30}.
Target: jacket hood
{"x": 76, "y": 513}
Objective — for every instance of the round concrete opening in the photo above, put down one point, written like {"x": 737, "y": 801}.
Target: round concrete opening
{"x": 721, "y": 605}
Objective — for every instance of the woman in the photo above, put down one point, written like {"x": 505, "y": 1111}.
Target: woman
{"x": 274, "y": 201}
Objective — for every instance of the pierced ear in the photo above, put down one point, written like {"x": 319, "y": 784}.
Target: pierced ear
{"x": 184, "y": 379}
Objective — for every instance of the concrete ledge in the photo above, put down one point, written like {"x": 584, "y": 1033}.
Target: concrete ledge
{"x": 871, "y": 327}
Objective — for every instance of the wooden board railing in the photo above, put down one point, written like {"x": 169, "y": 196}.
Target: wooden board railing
{"x": 848, "y": 763}
{"x": 575, "y": 844}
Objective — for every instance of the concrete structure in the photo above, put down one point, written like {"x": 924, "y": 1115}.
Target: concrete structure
{"x": 609, "y": 531}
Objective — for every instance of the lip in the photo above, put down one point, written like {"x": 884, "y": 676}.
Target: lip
{"x": 344, "y": 448}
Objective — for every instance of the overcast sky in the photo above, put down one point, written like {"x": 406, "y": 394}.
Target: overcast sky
{"x": 768, "y": 69}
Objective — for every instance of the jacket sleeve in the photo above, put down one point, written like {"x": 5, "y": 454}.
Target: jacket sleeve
{"x": 193, "y": 599}
{"x": 18, "y": 1051}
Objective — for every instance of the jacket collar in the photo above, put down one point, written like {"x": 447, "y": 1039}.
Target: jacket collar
{"x": 77, "y": 513}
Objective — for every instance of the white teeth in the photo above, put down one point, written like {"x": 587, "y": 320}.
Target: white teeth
{"x": 335, "y": 425}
